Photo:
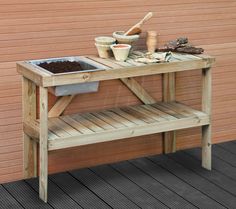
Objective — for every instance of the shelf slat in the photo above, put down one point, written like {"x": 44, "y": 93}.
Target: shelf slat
{"x": 119, "y": 123}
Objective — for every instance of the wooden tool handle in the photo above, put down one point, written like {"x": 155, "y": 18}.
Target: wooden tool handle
{"x": 138, "y": 25}
{"x": 146, "y": 18}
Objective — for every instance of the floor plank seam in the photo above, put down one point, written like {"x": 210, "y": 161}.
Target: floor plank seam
{"x": 164, "y": 184}
{"x": 13, "y": 196}
{"x": 114, "y": 187}
{"x": 49, "y": 180}
{"x": 138, "y": 186}
{"x": 89, "y": 189}
{"x": 224, "y": 148}
{"x": 192, "y": 186}
{"x": 233, "y": 179}
{"x": 65, "y": 192}
{"x": 225, "y": 160}
{"x": 212, "y": 182}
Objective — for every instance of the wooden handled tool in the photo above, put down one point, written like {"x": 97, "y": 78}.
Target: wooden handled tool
{"x": 136, "y": 29}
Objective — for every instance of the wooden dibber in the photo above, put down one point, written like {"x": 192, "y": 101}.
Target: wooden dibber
{"x": 136, "y": 29}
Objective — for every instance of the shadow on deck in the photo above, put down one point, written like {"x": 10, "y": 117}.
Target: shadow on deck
{"x": 164, "y": 181}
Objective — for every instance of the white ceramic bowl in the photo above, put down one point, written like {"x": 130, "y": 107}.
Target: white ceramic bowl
{"x": 104, "y": 51}
{"x": 105, "y": 40}
{"x": 121, "y": 51}
{"x": 123, "y": 39}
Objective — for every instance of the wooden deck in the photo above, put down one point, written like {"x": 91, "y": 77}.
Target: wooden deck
{"x": 163, "y": 181}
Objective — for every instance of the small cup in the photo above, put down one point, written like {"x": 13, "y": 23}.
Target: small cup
{"x": 151, "y": 41}
{"x": 121, "y": 51}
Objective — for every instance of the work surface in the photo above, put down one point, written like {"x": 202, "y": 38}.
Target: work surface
{"x": 170, "y": 181}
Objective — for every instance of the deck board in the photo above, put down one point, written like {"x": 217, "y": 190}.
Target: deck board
{"x": 197, "y": 181}
{"x": 218, "y": 164}
{"x": 6, "y": 200}
{"x": 176, "y": 184}
{"x": 78, "y": 192}
{"x": 165, "y": 181}
{"x": 103, "y": 189}
{"x": 57, "y": 197}
{"x": 128, "y": 188}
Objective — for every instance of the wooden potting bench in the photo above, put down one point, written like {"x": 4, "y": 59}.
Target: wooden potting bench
{"x": 53, "y": 131}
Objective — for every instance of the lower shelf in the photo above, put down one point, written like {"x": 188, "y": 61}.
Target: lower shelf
{"x": 118, "y": 123}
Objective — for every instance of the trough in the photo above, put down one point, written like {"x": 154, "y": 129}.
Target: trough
{"x": 86, "y": 65}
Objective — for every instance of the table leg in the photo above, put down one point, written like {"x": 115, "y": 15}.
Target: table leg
{"x": 29, "y": 113}
{"x": 169, "y": 138}
{"x": 43, "y": 143}
{"x": 206, "y": 107}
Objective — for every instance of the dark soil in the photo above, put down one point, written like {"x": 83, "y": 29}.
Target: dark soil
{"x": 61, "y": 66}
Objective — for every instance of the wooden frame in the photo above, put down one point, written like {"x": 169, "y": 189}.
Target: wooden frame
{"x": 48, "y": 80}
{"x": 77, "y": 130}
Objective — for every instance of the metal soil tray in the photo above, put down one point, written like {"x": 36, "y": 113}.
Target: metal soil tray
{"x": 86, "y": 65}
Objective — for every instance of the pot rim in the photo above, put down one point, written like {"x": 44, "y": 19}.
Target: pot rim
{"x": 127, "y": 46}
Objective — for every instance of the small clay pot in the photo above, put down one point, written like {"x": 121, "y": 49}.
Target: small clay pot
{"x": 121, "y": 51}
{"x": 105, "y": 40}
{"x": 104, "y": 51}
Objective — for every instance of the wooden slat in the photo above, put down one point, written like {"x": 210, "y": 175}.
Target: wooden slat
{"x": 149, "y": 113}
{"x": 187, "y": 109}
{"x": 75, "y": 124}
{"x": 168, "y": 110}
{"x": 108, "y": 120}
{"x": 90, "y": 125}
{"x": 56, "y": 129}
{"x": 118, "y": 118}
{"x": 135, "y": 111}
{"x": 162, "y": 115}
{"x": 175, "y": 109}
{"x": 128, "y": 116}
{"x": 98, "y": 121}
{"x": 64, "y": 126}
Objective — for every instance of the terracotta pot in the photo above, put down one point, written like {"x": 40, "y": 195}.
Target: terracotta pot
{"x": 121, "y": 51}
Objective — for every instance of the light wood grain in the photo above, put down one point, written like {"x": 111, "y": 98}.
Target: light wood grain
{"x": 43, "y": 144}
{"x": 206, "y": 107}
{"x": 102, "y": 125}
{"x": 126, "y": 132}
{"x": 29, "y": 114}
{"x": 169, "y": 138}
{"x": 60, "y": 106}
